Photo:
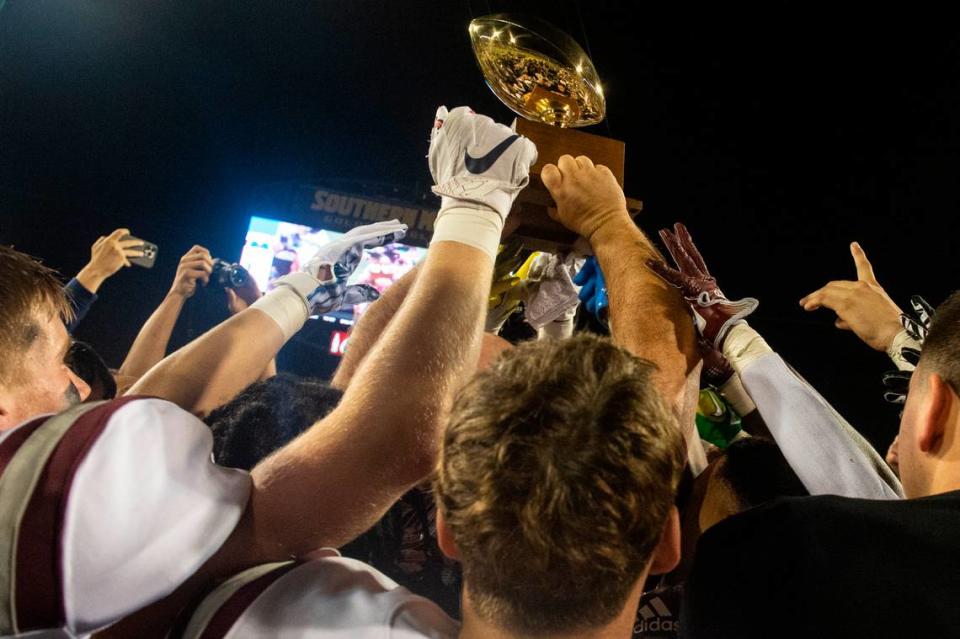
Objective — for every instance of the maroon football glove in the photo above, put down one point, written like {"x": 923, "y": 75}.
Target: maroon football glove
{"x": 713, "y": 313}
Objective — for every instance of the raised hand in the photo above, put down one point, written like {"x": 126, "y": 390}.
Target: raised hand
{"x": 588, "y": 196}
{"x": 713, "y": 313}
{"x": 862, "y": 306}
{"x": 108, "y": 255}
{"x": 325, "y": 286}
{"x": 195, "y": 266}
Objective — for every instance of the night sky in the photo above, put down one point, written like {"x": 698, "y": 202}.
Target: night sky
{"x": 777, "y": 135}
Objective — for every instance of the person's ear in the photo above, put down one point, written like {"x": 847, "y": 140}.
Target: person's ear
{"x": 934, "y": 414}
{"x": 444, "y": 539}
{"x": 666, "y": 555}
{"x": 6, "y": 421}
{"x": 83, "y": 388}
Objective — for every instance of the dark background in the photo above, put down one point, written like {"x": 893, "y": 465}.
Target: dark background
{"x": 778, "y": 135}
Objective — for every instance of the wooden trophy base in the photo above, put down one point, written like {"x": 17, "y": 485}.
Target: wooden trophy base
{"x": 530, "y": 216}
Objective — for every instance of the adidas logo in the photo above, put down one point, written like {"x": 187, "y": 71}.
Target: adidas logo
{"x": 655, "y": 617}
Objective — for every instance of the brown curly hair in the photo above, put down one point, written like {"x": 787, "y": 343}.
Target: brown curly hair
{"x": 558, "y": 470}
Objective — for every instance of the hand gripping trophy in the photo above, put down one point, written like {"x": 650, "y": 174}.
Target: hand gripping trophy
{"x": 544, "y": 76}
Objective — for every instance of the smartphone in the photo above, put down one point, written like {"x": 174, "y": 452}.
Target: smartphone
{"x": 149, "y": 256}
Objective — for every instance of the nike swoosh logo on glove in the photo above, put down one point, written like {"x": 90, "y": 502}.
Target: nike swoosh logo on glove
{"x": 483, "y": 164}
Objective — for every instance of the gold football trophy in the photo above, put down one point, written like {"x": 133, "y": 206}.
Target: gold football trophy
{"x": 544, "y": 76}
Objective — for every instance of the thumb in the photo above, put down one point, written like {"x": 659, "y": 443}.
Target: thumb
{"x": 551, "y": 177}
{"x": 864, "y": 268}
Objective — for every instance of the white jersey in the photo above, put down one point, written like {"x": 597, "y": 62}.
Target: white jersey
{"x": 106, "y": 508}
{"x": 328, "y": 598}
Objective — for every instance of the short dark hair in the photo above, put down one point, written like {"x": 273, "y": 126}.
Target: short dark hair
{"x": 83, "y": 360}
{"x": 941, "y": 349}
{"x": 757, "y": 472}
{"x": 266, "y": 416}
{"x": 557, "y": 472}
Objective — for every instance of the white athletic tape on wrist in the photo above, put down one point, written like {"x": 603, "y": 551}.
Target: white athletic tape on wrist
{"x": 479, "y": 227}
{"x": 285, "y": 306}
{"x": 900, "y": 341}
{"x": 734, "y": 392}
{"x": 743, "y": 346}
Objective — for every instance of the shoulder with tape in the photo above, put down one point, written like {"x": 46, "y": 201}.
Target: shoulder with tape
{"x": 94, "y": 503}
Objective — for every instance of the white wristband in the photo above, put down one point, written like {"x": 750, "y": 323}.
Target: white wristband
{"x": 478, "y": 227}
{"x": 734, "y": 392}
{"x": 743, "y": 346}
{"x": 285, "y": 306}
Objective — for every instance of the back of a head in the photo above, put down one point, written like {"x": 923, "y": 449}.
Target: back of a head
{"x": 266, "y": 416}
{"x": 757, "y": 472}
{"x": 90, "y": 367}
{"x": 557, "y": 473}
{"x": 941, "y": 349}
{"x": 28, "y": 291}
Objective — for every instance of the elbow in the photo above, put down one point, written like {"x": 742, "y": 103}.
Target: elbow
{"x": 419, "y": 461}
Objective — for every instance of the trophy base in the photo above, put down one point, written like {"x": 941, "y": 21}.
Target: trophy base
{"x": 530, "y": 217}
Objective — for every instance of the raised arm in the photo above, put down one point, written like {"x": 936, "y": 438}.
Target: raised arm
{"x": 108, "y": 255}
{"x": 150, "y": 345}
{"x": 212, "y": 369}
{"x": 371, "y": 327}
{"x": 239, "y": 299}
{"x": 827, "y": 454}
{"x": 339, "y": 477}
{"x": 646, "y": 316}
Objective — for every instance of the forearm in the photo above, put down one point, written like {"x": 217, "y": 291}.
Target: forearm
{"x": 827, "y": 454}
{"x": 647, "y": 316}
{"x": 91, "y": 278}
{"x": 384, "y": 435}
{"x": 150, "y": 346}
{"x": 213, "y": 368}
{"x": 269, "y": 371}
{"x": 370, "y": 327}
{"x": 80, "y": 299}
{"x": 696, "y": 455}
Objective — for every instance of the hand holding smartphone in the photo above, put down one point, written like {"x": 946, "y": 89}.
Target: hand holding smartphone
{"x": 149, "y": 257}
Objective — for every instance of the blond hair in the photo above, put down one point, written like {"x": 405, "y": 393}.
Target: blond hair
{"x": 29, "y": 292}
{"x": 558, "y": 469}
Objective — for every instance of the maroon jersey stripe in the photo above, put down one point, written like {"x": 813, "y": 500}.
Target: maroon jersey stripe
{"x": 15, "y": 440}
{"x": 230, "y": 611}
{"x": 39, "y": 579}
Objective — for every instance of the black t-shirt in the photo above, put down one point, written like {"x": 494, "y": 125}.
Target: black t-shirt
{"x": 829, "y": 567}
{"x": 658, "y": 615}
